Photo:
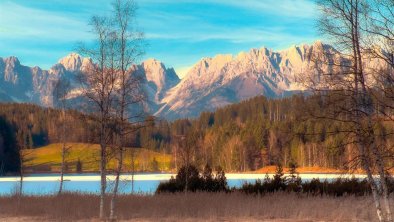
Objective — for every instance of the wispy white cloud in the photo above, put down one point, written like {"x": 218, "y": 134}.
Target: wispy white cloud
{"x": 179, "y": 32}
{"x": 289, "y": 8}
{"x": 240, "y": 35}
{"x": 194, "y": 28}
{"x": 20, "y": 22}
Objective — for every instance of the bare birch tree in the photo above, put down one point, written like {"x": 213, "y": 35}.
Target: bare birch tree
{"x": 343, "y": 84}
{"x": 380, "y": 37}
{"x": 129, "y": 94}
{"x": 23, "y": 158}
{"x": 61, "y": 90}
{"x": 132, "y": 157}
{"x": 97, "y": 84}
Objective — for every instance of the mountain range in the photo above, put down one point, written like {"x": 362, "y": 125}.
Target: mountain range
{"x": 209, "y": 84}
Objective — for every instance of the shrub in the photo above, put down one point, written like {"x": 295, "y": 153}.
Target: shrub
{"x": 314, "y": 187}
{"x": 279, "y": 181}
{"x": 190, "y": 175}
{"x": 294, "y": 182}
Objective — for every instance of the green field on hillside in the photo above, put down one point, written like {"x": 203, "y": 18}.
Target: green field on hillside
{"x": 48, "y": 159}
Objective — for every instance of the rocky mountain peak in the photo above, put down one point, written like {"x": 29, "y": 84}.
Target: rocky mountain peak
{"x": 154, "y": 69}
{"x": 225, "y": 79}
{"x": 12, "y": 61}
{"x": 159, "y": 78}
{"x": 211, "y": 83}
{"x": 72, "y": 62}
{"x": 9, "y": 69}
{"x": 157, "y": 72}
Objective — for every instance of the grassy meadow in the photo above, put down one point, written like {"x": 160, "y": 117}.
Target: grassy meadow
{"x": 48, "y": 159}
{"x": 192, "y": 207}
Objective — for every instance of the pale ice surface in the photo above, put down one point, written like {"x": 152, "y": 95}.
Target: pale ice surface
{"x": 48, "y": 184}
{"x": 163, "y": 177}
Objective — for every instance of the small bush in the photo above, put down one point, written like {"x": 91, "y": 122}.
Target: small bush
{"x": 208, "y": 182}
{"x": 293, "y": 183}
{"x": 314, "y": 187}
{"x": 190, "y": 177}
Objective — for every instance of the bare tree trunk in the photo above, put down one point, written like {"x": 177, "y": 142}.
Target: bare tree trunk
{"x": 175, "y": 159}
{"x": 132, "y": 170}
{"x": 187, "y": 167}
{"x": 309, "y": 155}
{"x": 375, "y": 151}
{"x": 383, "y": 183}
{"x": 244, "y": 158}
{"x": 21, "y": 174}
{"x": 372, "y": 182}
{"x": 128, "y": 92}
{"x": 112, "y": 216}
{"x": 285, "y": 158}
{"x": 187, "y": 179}
{"x": 98, "y": 83}
{"x": 342, "y": 20}
{"x": 62, "y": 168}
{"x": 103, "y": 175}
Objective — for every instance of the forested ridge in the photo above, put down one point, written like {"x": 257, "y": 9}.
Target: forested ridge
{"x": 252, "y": 134}
{"x": 37, "y": 126}
{"x": 260, "y": 132}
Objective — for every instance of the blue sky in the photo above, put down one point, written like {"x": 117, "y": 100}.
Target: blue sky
{"x": 179, "y": 32}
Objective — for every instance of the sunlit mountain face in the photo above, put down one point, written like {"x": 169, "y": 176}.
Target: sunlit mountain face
{"x": 209, "y": 84}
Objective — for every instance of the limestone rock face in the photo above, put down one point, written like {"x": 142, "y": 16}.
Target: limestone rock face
{"x": 20, "y": 83}
{"x": 209, "y": 84}
{"x": 158, "y": 77}
{"x": 225, "y": 79}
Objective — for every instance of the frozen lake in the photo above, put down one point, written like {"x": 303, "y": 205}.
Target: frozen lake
{"x": 44, "y": 184}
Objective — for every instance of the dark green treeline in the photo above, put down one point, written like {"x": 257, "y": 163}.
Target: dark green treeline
{"x": 240, "y": 137}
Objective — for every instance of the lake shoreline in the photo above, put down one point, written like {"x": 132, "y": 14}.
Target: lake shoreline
{"x": 166, "y": 176}
{"x": 263, "y": 170}
{"x": 48, "y": 184}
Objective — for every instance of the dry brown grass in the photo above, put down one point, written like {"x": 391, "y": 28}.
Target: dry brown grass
{"x": 191, "y": 207}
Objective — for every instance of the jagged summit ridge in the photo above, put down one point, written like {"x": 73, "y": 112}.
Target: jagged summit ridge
{"x": 225, "y": 79}
{"x": 20, "y": 83}
{"x": 209, "y": 84}
{"x": 75, "y": 62}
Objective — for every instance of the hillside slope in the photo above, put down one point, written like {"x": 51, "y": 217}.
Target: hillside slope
{"x": 48, "y": 159}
